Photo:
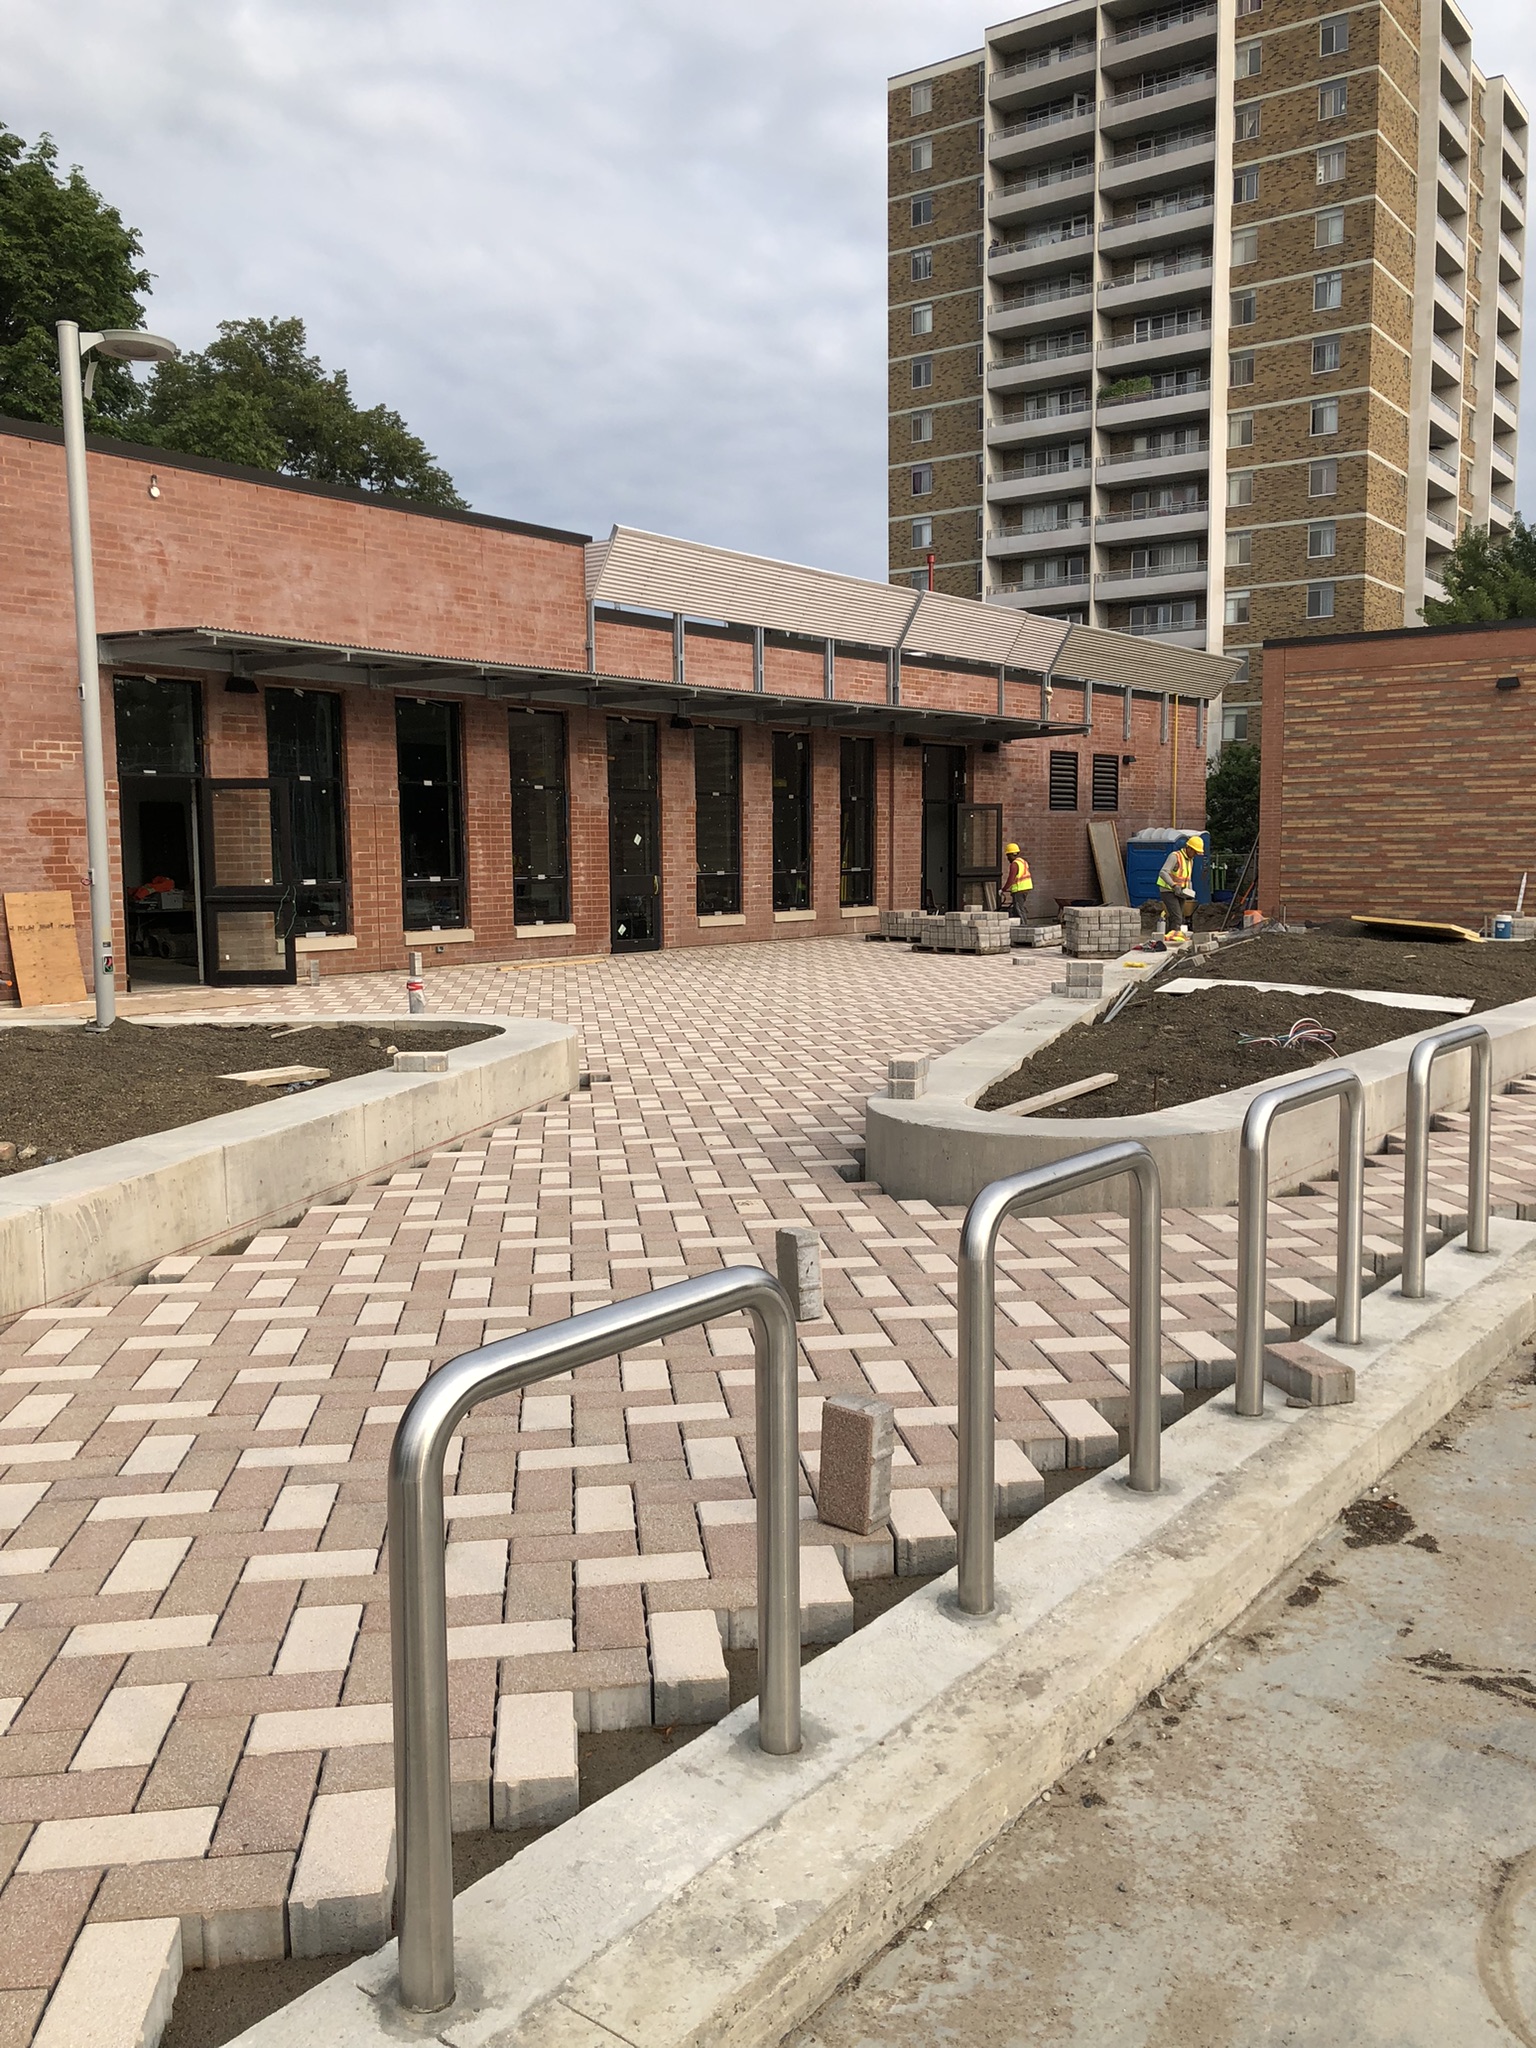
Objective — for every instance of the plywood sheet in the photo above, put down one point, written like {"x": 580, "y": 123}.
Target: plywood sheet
{"x": 45, "y": 954}
{"x": 1419, "y": 924}
{"x": 1105, "y": 842}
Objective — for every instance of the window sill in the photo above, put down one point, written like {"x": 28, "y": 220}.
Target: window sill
{"x": 326, "y": 942}
{"x": 859, "y": 910}
{"x": 544, "y": 931}
{"x": 449, "y": 935}
{"x": 712, "y": 917}
{"x": 794, "y": 916}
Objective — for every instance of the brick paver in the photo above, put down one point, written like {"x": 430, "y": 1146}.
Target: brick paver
{"x": 193, "y": 1600}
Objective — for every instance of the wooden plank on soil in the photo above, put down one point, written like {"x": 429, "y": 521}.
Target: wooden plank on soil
{"x": 1052, "y": 1096}
{"x": 1104, "y": 841}
{"x": 1419, "y": 924}
{"x": 44, "y": 950}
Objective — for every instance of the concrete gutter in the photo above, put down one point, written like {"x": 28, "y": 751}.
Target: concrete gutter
{"x": 940, "y": 1148}
{"x": 107, "y": 1216}
{"x": 717, "y": 1900}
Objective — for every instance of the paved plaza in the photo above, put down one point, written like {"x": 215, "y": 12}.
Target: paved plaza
{"x": 194, "y": 1667}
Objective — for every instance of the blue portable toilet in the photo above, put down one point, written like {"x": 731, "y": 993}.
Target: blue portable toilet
{"x": 1145, "y": 853}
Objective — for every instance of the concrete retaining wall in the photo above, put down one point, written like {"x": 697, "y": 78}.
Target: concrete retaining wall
{"x": 942, "y": 1149}
{"x": 108, "y": 1215}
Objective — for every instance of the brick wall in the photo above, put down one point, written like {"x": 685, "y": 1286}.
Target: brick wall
{"x": 1396, "y": 777}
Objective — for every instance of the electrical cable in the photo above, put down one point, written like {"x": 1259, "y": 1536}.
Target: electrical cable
{"x": 1305, "y": 1031}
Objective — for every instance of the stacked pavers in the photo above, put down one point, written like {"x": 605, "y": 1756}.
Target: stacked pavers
{"x": 1103, "y": 929}
{"x": 967, "y": 931}
{"x": 1084, "y": 982}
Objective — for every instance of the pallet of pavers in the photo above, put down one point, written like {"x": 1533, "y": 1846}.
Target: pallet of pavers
{"x": 967, "y": 931}
{"x": 1102, "y": 929}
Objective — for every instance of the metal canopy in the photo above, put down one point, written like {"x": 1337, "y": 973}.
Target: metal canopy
{"x": 334, "y": 665}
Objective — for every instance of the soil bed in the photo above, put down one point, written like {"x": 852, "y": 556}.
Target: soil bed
{"x": 1170, "y": 1049}
{"x": 67, "y": 1090}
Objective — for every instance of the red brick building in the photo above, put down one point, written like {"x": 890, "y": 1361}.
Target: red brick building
{"x": 344, "y": 727}
{"x": 1397, "y": 773}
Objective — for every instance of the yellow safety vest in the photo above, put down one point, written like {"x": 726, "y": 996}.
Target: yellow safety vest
{"x": 1019, "y": 877}
{"x": 1183, "y": 867}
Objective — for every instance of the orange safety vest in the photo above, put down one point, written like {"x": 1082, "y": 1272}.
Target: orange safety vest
{"x": 1019, "y": 877}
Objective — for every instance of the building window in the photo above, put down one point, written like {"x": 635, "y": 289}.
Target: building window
{"x": 427, "y": 757}
{"x": 922, "y": 426}
{"x": 1328, "y": 291}
{"x": 1250, "y": 59}
{"x": 922, "y": 533}
{"x": 1246, "y": 125}
{"x": 791, "y": 821}
{"x": 1319, "y": 600}
{"x": 1248, "y": 7}
{"x": 1241, "y": 367}
{"x": 856, "y": 828}
{"x": 1239, "y": 550}
{"x": 1333, "y": 36}
{"x": 1327, "y": 354}
{"x": 1234, "y": 722}
{"x": 1325, "y": 415}
{"x": 1240, "y": 430}
{"x": 1237, "y": 608}
{"x": 1332, "y": 101}
{"x": 1323, "y": 479}
{"x": 1245, "y": 245}
{"x": 922, "y": 97}
{"x": 1330, "y": 164}
{"x": 1245, "y": 308}
{"x": 1240, "y": 487}
{"x": 922, "y": 210}
{"x": 922, "y": 265}
{"x": 1106, "y": 782}
{"x": 922, "y": 372}
{"x": 541, "y": 867}
{"x": 1322, "y": 541}
{"x": 1245, "y": 187}
{"x": 1330, "y": 228}
{"x": 1063, "y": 782}
{"x": 304, "y": 743}
{"x": 159, "y": 727}
{"x": 922, "y": 321}
{"x": 922, "y": 156}
{"x": 922, "y": 479}
{"x": 717, "y": 818}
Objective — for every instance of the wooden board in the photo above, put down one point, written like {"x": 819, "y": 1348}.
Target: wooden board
{"x": 1418, "y": 924}
{"x": 1052, "y": 1096}
{"x": 45, "y": 955}
{"x": 1105, "y": 844}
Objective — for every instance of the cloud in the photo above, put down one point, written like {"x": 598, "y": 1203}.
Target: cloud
{"x": 612, "y": 259}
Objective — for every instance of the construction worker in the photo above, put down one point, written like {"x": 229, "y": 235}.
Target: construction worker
{"x": 1017, "y": 882}
{"x": 1176, "y": 886}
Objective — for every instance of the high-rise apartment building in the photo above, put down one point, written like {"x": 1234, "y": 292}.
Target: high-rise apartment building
{"x": 1205, "y": 320}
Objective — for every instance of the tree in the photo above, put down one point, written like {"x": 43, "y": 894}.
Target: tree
{"x": 1232, "y": 803}
{"x": 65, "y": 254}
{"x": 256, "y": 395}
{"x": 1487, "y": 578}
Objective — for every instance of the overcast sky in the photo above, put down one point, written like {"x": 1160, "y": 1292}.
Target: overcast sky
{"x": 612, "y": 259}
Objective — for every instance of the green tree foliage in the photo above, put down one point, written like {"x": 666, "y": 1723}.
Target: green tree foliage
{"x": 256, "y": 395}
{"x": 1232, "y": 802}
{"x": 1487, "y": 578}
{"x": 64, "y": 255}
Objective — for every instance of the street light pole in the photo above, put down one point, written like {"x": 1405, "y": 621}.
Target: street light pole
{"x": 125, "y": 345}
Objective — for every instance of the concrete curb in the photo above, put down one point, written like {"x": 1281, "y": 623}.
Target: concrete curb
{"x": 109, "y": 1215}
{"x": 716, "y": 1901}
{"x": 942, "y": 1149}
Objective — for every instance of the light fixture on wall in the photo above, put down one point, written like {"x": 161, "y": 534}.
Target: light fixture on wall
{"x": 1127, "y": 760}
{"x": 154, "y": 487}
{"x": 1507, "y": 683}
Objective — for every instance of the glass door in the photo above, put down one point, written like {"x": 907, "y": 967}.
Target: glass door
{"x": 634, "y": 837}
{"x": 978, "y": 854}
{"x": 249, "y": 901}
{"x": 943, "y": 793}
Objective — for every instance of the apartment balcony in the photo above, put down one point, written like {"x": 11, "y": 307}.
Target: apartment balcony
{"x": 1012, "y": 546}
{"x": 1175, "y": 226}
{"x": 1057, "y": 589}
{"x": 1171, "y": 163}
{"x": 1051, "y": 483}
{"x": 1121, "y": 471}
{"x": 1506, "y": 362}
{"x": 1027, "y": 376}
{"x": 1445, "y": 360}
{"x": 1433, "y": 587}
{"x": 1512, "y": 208}
{"x": 1447, "y": 527}
{"x": 1445, "y": 469}
{"x": 1124, "y": 112}
{"x": 1511, "y": 262}
{"x": 1452, "y": 124}
{"x": 1043, "y": 195}
{"x": 1501, "y": 513}
{"x": 1184, "y": 32}
{"x": 1506, "y": 415}
{"x": 1502, "y": 461}
{"x": 1511, "y": 319}
{"x": 1162, "y": 288}
{"x": 1515, "y": 151}
{"x": 1453, "y": 182}
{"x": 1117, "y": 415}
{"x": 1119, "y": 529}
{"x": 1019, "y": 433}
{"x": 1031, "y": 258}
{"x": 1050, "y": 132}
{"x": 1070, "y": 62}
{"x": 1049, "y": 310}
{"x": 1444, "y": 416}
{"x": 1125, "y": 585}
{"x": 1167, "y": 636}
{"x": 1452, "y": 65}
{"x": 1120, "y": 358}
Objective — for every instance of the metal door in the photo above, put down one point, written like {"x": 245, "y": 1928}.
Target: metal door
{"x": 634, "y": 837}
{"x": 247, "y": 878}
{"x": 978, "y": 855}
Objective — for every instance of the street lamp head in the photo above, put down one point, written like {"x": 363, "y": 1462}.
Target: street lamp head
{"x": 130, "y": 345}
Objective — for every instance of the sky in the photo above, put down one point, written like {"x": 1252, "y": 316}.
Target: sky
{"x": 613, "y": 260}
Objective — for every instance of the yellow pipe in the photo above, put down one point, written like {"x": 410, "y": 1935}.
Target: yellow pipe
{"x": 1174, "y": 820}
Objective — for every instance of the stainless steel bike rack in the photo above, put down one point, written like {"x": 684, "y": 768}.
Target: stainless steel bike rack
{"x": 418, "y": 1600}
{"x": 1416, "y": 1164}
{"x": 1253, "y": 1216}
{"x": 978, "y": 1339}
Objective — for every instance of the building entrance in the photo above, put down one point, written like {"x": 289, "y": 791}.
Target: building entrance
{"x": 634, "y": 837}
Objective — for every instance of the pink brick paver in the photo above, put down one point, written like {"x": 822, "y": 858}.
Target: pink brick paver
{"x": 193, "y": 1595}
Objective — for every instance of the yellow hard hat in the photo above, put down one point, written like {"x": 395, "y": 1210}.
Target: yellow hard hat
{"x": 1194, "y": 843}
{"x": 1010, "y": 847}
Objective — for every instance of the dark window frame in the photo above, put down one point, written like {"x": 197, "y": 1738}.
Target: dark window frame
{"x": 717, "y": 821}
{"x": 856, "y": 822}
{"x": 793, "y": 820}
{"x": 453, "y": 886}
{"x": 543, "y": 898}
{"x": 328, "y": 909}
{"x": 129, "y": 763}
